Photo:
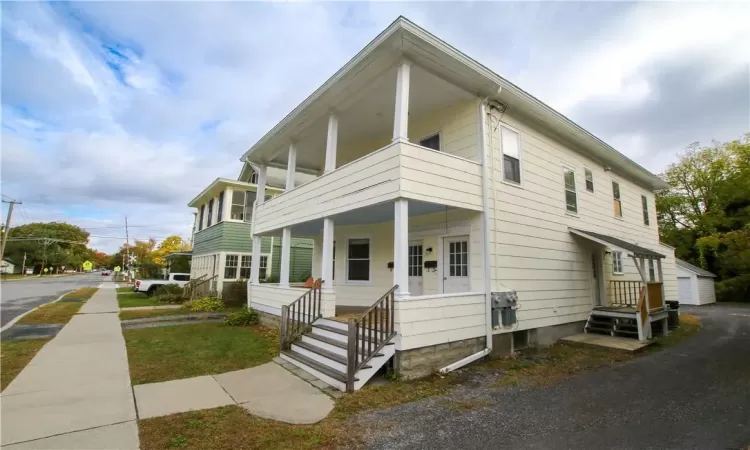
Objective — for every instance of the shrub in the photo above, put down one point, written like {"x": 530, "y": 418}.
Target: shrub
{"x": 235, "y": 294}
{"x": 170, "y": 298}
{"x": 244, "y": 317}
{"x": 271, "y": 279}
{"x": 168, "y": 289}
{"x": 206, "y": 304}
{"x": 735, "y": 289}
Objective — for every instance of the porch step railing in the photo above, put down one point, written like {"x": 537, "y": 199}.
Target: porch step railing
{"x": 298, "y": 316}
{"x": 368, "y": 334}
{"x": 204, "y": 287}
{"x": 625, "y": 293}
{"x": 187, "y": 290}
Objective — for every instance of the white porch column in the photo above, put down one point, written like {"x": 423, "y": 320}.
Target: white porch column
{"x": 255, "y": 261}
{"x": 286, "y": 245}
{"x": 262, "y": 178}
{"x": 401, "y": 247}
{"x": 291, "y": 167}
{"x": 327, "y": 255}
{"x": 227, "y": 206}
{"x": 332, "y": 142}
{"x": 401, "y": 116}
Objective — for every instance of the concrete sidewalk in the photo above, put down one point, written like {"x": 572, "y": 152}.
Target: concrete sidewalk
{"x": 76, "y": 392}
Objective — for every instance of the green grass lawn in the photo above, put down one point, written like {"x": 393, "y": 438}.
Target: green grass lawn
{"x": 170, "y": 353}
{"x": 59, "y": 312}
{"x": 129, "y": 299}
{"x": 15, "y": 355}
{"x": 144, "y": 313}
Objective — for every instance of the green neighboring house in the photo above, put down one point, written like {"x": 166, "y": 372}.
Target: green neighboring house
{"x": 222, "y": 239}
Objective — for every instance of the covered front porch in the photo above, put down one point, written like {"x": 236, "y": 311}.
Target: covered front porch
{"x": 629, "y": 296}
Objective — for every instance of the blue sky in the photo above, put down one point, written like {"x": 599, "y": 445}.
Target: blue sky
{"x": 130, "y": 108}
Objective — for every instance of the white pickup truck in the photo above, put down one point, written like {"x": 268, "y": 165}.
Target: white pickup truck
{"x": 149, "y": 286}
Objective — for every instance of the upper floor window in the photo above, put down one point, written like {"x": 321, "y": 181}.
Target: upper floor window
{"x": 511, "y": 148}
{"x": 210, "y": 212}
{"x": 589, "y": 179}
{"x": 644, "y": 203}
{"x": 617, "y": 262}
{"x": 242, "y": 205}
{"x": 616, "y": 198}
{"x": 358, "y": 260}
{"x": 254, "y": 177}
{"x": 220, "y": 208}
{"x": 200, "y": 224}
{"x": 571, "y": 199}
{"x": 432, "y": 142}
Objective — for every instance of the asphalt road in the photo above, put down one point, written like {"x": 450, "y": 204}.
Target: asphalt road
{"x": 692, "y": 396}
{"x": 17, "y": 297}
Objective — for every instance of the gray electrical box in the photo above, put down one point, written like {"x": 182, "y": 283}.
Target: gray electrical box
{"x": 504, "y": 306}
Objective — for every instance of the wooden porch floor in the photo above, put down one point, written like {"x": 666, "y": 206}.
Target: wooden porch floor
{"x": 344, "y": 313}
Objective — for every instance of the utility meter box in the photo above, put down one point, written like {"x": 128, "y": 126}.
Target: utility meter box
{"x": 504, "y": 306}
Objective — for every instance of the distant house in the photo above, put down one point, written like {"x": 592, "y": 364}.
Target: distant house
{"x": 695, "y": 285}
{"x": 8, "y": 267}
{"x": 222, "y": 239}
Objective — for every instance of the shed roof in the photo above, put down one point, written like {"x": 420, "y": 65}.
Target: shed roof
{"x": 617, "y": 242}
{"x": 695, "y": 269}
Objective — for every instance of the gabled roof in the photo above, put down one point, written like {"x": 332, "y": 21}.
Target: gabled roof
{"x": 695, "y": 269}
{"x": 603, "y": 239}
{"x": 406, "y": 38}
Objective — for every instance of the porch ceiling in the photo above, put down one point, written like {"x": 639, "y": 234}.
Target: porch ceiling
{"x": 618, "y": 243}
{"x": 366, "y": 118}
{"x": 380, "y": 213}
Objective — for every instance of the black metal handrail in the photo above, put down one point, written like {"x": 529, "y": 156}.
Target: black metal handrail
{"x": 369, "y": 334}
{"x": 298, "y": 316}
{"x": 625, "y": 293}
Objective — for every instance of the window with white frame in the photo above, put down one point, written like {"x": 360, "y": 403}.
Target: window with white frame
{"x": 589, "y": 175}
{"x": 263, "y": 269}
{"x": 245, "y": 267}
{"x": 210, "y": 212}
{"x": 203, "y": 212}
{"x": 511, "y": 147}
{"x": 458, "y": 255}
{"x": 651, "y": 271}
{"x": 644, "y": 203}
{"x": 242, "y": 205}
{"x": 358, "y": 260}
{"x": 230, "y": 267}
{"x": 415, "y": 260}
{"x": 616, "y": 198}
{"x": 571, "y": 199}
{"x": 254, "y": 177}
{"x": 617, "y": 262}
{"x": 432, "y": 142}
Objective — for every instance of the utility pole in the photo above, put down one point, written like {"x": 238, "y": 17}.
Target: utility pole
{"x": 7, "y": 226}
{"x": 23, "y": 266}
{"x": 127, "y": 246}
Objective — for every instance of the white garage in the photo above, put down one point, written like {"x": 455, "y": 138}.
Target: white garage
{"x": 695, "y": 286}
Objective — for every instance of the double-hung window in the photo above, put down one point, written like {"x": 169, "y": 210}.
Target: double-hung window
{"x": 511, "y": 147}
{"x": 571, "y": 199}
{"x": 651, "y": 271}
{"x": 616, "y": 198}
{"x": 263, "y": 267}
{"x": 230, "y": 267}
{"x": 203, "y": 213}
{"x": 644, "y": 203}
{"x": 245, "y": 267}
{"x": 432, "y": 142}
{"x": 617, "y": 262}
{"x": 210, "y": 212}
{"x": 242, "y": 205}
{"x": 358, "y": 260}
{"x": 589, "y": 175}
{"x": 220, "y": 208}
{"x": 254, "y": 177}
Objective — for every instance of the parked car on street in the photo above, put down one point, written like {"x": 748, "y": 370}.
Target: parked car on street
{"x": 106, "y": 273}
{"x": 149, "y": 286}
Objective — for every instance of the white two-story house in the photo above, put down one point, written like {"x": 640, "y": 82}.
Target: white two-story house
{"x": 454, "y": 216}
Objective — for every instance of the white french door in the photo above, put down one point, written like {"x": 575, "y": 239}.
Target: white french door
{"x": 455, "y": 264}
{"x": 415, "y": 267}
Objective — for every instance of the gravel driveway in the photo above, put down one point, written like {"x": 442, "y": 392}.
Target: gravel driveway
{"x": 692, "y": 396}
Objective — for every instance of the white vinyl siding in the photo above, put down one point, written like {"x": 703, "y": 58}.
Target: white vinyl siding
{"x": 423, "y": 321}
{"x": 706, "y": 290}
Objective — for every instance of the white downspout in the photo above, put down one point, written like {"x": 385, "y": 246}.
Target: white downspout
{"x": 486, "y": 158}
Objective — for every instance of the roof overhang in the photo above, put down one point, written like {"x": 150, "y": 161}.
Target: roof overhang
{"x": 404, "y": 39}
{"x": 173, "y": 255}
{"x": 617, "y": 243}
{"x": 219, "y": 184}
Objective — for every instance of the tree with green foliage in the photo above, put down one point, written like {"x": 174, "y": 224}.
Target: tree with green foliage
{"x": 55, "y": 244}
{"x": 706, "y": 213}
